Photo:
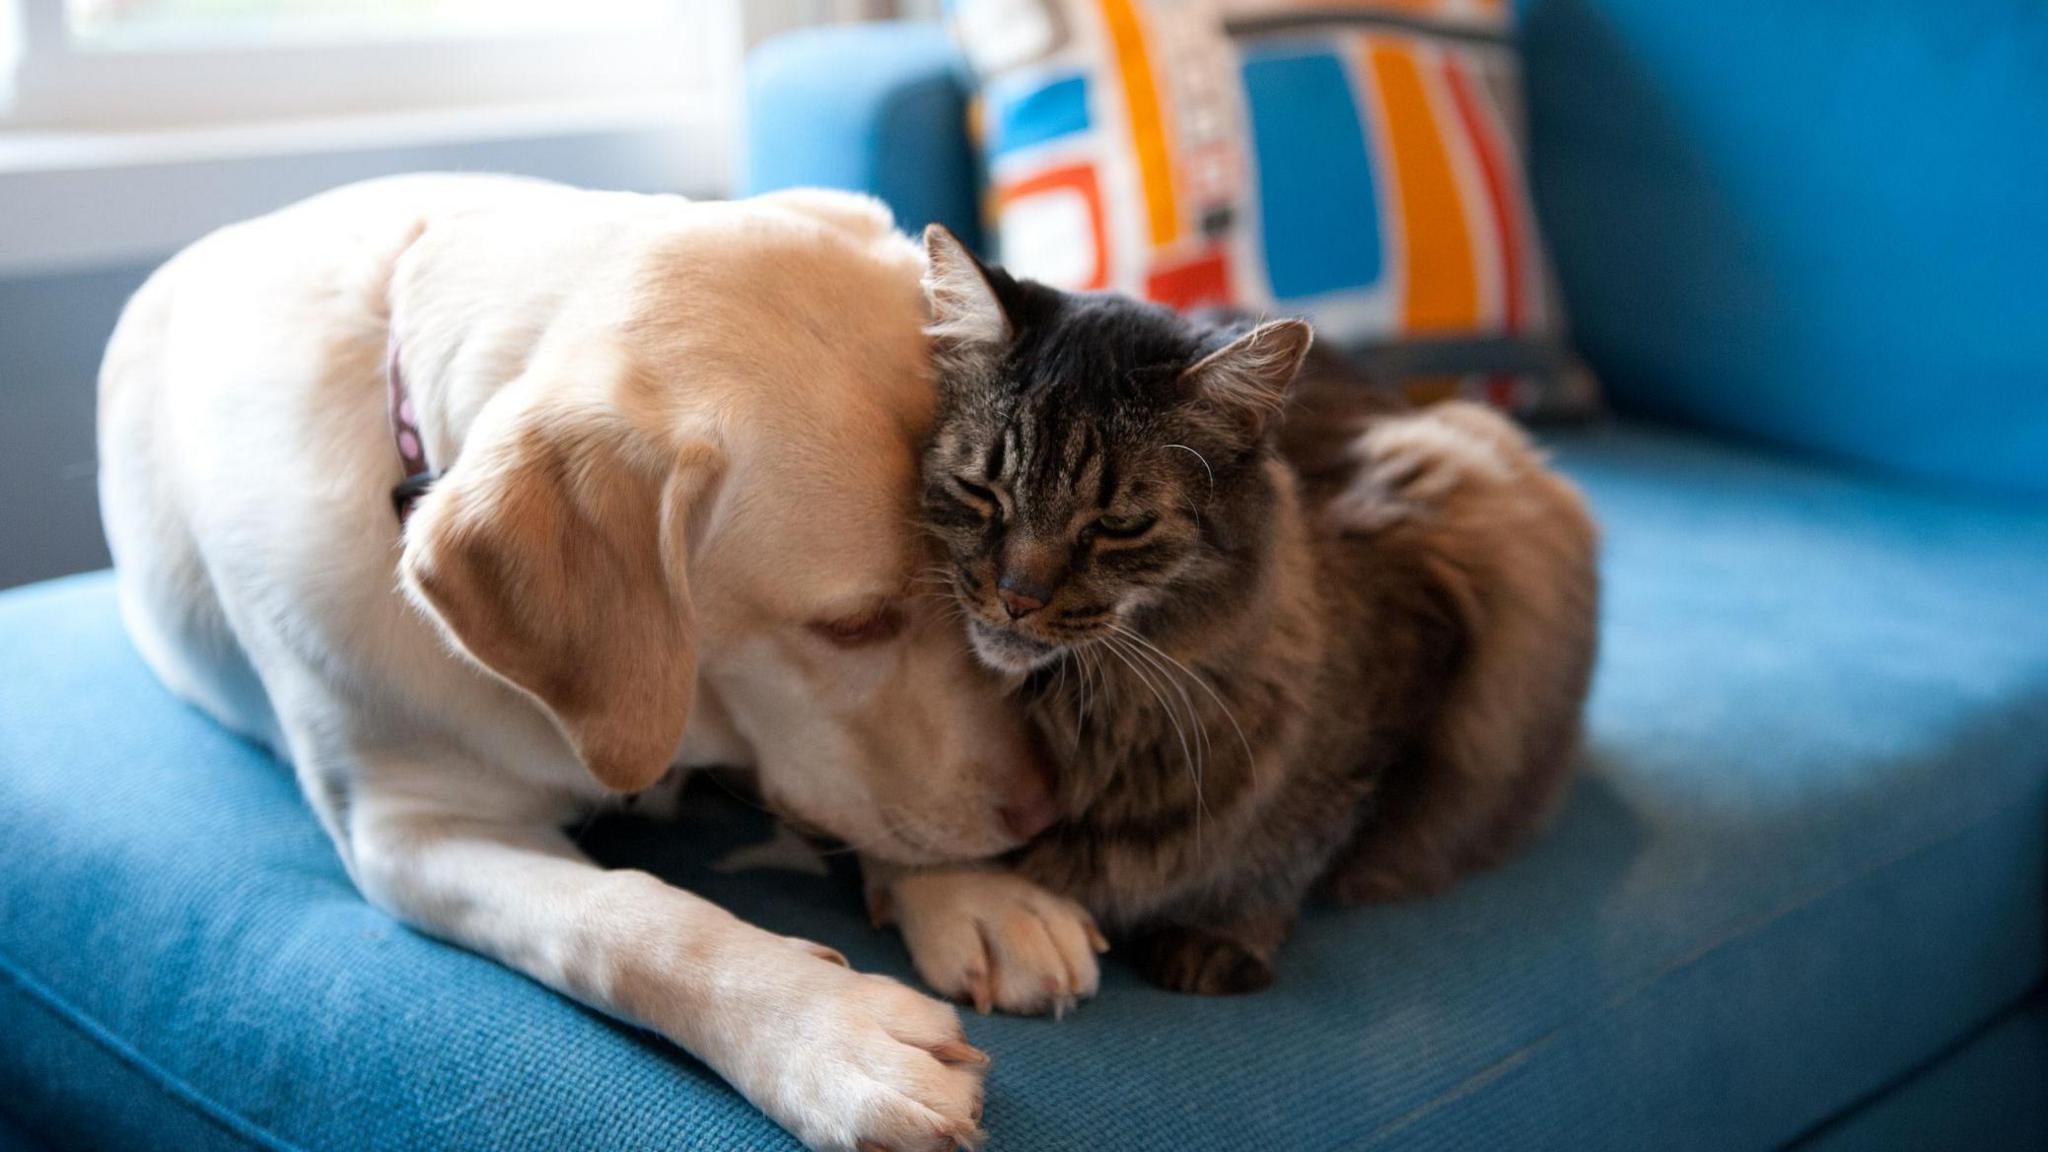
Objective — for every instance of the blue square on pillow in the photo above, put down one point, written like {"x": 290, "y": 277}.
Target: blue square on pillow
{"x": 1035, "y": 111}
{"x": 1318, "y": 206}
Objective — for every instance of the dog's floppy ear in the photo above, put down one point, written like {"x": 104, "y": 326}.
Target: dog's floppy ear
{"x": 554, "y": 555}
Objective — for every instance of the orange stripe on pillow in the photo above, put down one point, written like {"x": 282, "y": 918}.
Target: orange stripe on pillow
{"x": 1441, "y": 290}
{"x": 1485, "y": 135}
{"x": 1147, "y": 120}
{"x": 1440, "y": 8}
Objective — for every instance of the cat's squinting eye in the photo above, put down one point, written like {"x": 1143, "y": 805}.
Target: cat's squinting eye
{"x": 981, "y": 494}
{"x": 858, "y": 631}
{"x": 1125, "y": 527}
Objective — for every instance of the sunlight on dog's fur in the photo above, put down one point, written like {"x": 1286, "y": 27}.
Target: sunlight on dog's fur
{"x": 675, "y": 527}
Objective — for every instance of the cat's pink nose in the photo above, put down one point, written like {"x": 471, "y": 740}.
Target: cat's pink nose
{"x": 1018, "y": 604}
{"x": 1020, "y": 593}
{"x": 1029, "y": 808}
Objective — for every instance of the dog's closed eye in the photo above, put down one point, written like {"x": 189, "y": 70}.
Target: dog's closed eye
{"x": 870, "y": 627}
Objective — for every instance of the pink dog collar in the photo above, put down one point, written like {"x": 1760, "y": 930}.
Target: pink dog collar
{"x": 405, "y": 432}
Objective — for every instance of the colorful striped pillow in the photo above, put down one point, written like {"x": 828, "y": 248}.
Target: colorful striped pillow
{"x": 1357, "y": 162}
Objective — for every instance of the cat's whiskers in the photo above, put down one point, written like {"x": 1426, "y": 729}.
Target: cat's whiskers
{"x": 1087, "y": 671}
{"x": 1202, "y": 743}
{"x": 1251, "y": 761}
{"x": 1198, "y": 767}
{"x": 954, "y": 615}
{"x": 1193, "y": 510}
{"x": 1205, "y": 465}
{"x": 944, "y": 599}
{"x": 1204, "y": 746}
{"x": 1087, "y": 694}
{"x": 1118, "y": 648}
{"x": 1166, "y": 677}
{"x": 952, "y": 611}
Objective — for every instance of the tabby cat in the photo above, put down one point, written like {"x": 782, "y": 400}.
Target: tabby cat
{"x": 1274, "y": 635}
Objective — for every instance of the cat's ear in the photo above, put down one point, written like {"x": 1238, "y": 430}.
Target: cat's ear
{"x": 966, "y": 310}
{"x": 1246, "y": 381}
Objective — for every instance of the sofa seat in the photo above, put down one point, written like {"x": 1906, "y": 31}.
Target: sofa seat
{"x": 1985, "y": 1093}
{"x": 1807, "y": 851}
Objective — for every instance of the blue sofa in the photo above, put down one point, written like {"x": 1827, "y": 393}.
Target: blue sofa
{"x": 1795, "y": 900}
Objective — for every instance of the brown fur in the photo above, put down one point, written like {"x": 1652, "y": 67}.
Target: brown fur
{"x": 1408, "y": 672}
{"x": 1361, "y": 659}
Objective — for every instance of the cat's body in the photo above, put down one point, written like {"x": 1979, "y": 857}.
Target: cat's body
{"x": 1347, "y": 647}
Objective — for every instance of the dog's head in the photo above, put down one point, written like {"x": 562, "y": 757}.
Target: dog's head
{"x": 693, "y": 506}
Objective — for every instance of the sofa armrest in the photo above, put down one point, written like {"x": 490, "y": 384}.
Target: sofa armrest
{"x": 876, "y": 108}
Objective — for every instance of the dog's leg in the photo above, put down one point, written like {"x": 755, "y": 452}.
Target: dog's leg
{"x": 989, "y": 938}
{"x": 846, "y": 1061}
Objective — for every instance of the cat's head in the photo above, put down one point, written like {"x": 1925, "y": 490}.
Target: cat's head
{"x": 1095, "y": 457}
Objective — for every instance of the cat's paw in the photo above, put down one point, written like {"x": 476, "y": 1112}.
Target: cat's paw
{"x": 997, "y": 941}
{"x": 1375, "y": 881}
{"x": 1198, "y": 962}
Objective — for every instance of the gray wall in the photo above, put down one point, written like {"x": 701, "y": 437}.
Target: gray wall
{"x": 54, "y": 323}
{"x": 52, "y": 328}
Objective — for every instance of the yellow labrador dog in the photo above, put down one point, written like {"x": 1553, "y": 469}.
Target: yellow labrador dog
{"x": 672, "y": 525}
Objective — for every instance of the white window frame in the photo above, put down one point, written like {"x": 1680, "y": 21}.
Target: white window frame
{"x": 60, "y": 85}
{"x": 114, "y": 158}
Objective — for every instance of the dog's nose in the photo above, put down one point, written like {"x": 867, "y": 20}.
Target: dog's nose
{"x": 1020, "y": 595}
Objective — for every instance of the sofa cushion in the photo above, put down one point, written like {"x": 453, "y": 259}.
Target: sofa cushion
{"x": 1807, "y": 853}
{"x": 1808, "y": 226}
{"x": 1359, "y": 163}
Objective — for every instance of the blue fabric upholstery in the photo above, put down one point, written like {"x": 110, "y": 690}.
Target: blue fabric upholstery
{"x": 1989, "y": 1095}
{"x": 1768, "y": 219}
{"x": 1816, "y": 224}
{"x": 15, "y": 1138}
{"x": 1807, "y": 853}
{"x": 881, "y": 108}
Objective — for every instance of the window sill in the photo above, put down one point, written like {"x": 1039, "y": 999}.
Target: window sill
{"x": 76, "y": 199}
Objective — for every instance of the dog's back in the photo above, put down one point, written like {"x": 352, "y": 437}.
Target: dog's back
{"x": 197, "y": 348}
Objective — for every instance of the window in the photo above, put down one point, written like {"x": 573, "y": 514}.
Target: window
{"x": 127, "y": 64}
{"x": 155, "y": 24}
{"x": 10, "y": 50}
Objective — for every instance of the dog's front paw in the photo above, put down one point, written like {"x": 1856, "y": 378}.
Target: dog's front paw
{"x": 995, "y": 940}
{"x": 851, "y": 1062}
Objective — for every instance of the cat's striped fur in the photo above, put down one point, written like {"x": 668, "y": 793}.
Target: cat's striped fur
{"x": 1344, "y": 644}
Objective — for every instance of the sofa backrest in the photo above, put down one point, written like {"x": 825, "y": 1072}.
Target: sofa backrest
{"x": 1823, "y": 223}
{"x": 876, "y": 108}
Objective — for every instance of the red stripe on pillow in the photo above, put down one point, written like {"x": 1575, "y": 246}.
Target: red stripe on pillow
{"x": 1484, "y": 133}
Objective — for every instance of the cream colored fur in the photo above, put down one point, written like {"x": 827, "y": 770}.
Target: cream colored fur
{"x": 676, "y": 437}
